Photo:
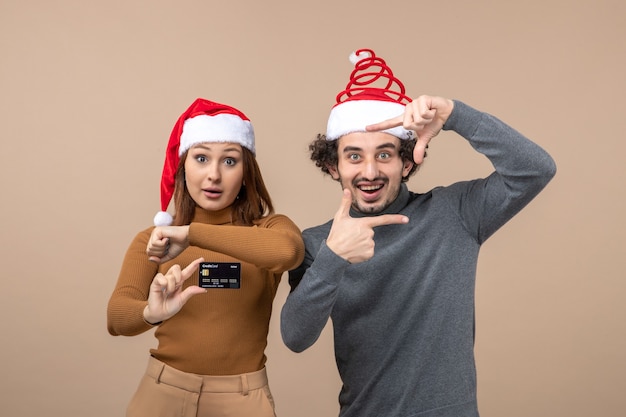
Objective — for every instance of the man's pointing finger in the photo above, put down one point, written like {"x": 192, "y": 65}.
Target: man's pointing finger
{"x": 386, "y": 219}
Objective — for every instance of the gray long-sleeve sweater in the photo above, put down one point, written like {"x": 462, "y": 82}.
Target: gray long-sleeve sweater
{"x": 403, "y": 321}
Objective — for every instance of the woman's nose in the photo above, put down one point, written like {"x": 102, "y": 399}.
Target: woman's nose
{"x": 213, "y": 172}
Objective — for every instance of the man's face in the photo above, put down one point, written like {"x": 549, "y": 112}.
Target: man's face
{"x": 370, "y": 166}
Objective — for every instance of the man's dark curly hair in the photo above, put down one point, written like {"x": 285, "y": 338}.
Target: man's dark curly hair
{"x": 324, "y": 154}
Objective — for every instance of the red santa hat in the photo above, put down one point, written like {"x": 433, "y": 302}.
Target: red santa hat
{"x": 204, "y": 121}
{"x": 372, "y": 95}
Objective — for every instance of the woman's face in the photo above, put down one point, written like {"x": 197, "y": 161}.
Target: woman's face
{"x": 214, "y": 174}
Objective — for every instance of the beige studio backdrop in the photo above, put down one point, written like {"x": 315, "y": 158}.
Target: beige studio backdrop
{"x": 89, "y": 92}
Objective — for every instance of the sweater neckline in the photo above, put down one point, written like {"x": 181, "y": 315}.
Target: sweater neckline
{"x": 223, "y": 216}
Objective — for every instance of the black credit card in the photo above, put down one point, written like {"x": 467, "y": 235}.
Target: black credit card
{"x": 219, "y": 275}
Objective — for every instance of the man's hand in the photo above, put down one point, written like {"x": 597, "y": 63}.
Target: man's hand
{"x": 166, "y": 296}
{"x": 425, "y": 115}
{"x": 167, "y": 242}
{"x": 353, "y": 238}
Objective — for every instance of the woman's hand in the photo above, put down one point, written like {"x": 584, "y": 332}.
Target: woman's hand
{"x": 166, "y": 296}
{"x": 167, "y": 242}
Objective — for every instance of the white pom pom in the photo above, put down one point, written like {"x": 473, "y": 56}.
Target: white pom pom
{"x": 354, "y": 58}
{"x": 163, "y": 218}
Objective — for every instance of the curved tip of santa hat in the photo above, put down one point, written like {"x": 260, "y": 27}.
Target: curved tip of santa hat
{"x": 163, "y": 218}
{"x": 354, "y": 58}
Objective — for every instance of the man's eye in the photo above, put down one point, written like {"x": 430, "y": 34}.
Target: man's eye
{"x": 384, "y": 155}
{"x": 353, "y": 157}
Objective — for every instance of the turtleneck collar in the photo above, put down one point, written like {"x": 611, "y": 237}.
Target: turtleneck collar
{"x": 398, "y": 204}
{"x": 223, "y": 216}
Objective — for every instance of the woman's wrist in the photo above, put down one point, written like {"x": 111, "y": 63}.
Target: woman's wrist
{"x": 148, "y": 319}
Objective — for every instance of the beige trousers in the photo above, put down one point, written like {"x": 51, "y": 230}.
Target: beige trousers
{"x": 168, "y": 392}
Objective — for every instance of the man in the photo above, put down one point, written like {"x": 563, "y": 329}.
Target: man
{"x": 395, "y": 270}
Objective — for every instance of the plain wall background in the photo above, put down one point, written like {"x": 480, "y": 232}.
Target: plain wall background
{"x": 89, "y": 92}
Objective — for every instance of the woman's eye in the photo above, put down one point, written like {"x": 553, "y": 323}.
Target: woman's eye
{"x": 230, "y": 161}
{"x": 201, "y": 158}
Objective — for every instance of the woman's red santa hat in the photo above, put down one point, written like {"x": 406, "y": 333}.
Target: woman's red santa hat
{"x": 204, "y": 121}
{"x": 372, "y": 95}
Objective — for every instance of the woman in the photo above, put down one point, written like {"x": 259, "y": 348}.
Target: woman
{"x": 211, "y": 325}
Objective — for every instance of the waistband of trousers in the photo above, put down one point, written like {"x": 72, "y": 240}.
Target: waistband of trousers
{"x": 243, "y": 383}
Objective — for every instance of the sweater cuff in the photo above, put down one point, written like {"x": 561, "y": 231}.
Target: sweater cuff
{"x": 464, "y": 119}
{"x": 152, "y": 324}
{"x": 193, "y": 235}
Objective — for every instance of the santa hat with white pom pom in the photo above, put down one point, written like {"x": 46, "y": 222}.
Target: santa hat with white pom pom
{"x": 204, "y": 121}
{"x": 372, "y": 95}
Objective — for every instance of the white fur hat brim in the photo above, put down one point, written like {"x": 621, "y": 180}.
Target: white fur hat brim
{"x": 354, "y": 115}
{"x": 221, "y": 127}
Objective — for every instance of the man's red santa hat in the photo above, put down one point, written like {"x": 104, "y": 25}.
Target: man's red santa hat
{"x": 372, "y": 95}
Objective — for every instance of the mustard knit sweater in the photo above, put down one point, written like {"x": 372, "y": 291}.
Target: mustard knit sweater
{"x": 222, "y": 332}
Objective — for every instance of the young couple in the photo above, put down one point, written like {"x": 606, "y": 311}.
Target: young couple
{"x": 394, "y": 270}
